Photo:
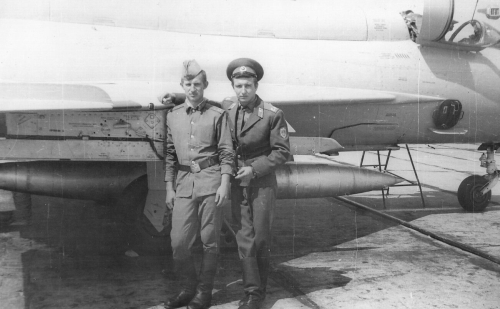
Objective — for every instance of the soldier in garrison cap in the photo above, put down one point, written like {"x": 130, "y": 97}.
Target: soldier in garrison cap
{"x": 260, "y": 137}
{"x": 199, "y": 159}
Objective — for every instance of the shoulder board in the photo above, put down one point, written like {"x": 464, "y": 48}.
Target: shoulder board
{"x": 177, "y": 107}
{"x": 271, "y": 108}
{"x": 213, "y": 103}
{"x": 232, "y": 99}
{"x": 229, "y": 102}
{"x": 213, "y": 106}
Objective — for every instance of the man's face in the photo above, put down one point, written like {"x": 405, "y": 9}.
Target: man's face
{"x": 194, "y": 89}
{"x": 245, "y": 89}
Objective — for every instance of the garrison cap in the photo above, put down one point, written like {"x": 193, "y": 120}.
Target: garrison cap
{"x": 191, "y": 69}
{"x": 244, "y": 67}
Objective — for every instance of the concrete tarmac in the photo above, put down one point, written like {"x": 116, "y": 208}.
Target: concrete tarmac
{"x": 326, "y": 254}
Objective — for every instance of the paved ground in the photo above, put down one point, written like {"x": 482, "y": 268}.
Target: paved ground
{"x": 326, "y": 255}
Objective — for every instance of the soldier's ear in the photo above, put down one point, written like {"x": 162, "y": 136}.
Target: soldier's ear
{"x": 256, "y": 85}
{"x": 205, "y": 85}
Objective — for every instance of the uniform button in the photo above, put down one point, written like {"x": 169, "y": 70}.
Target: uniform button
{"x": 192, "y": 136}
{"x": 192, "y": 122}
{"x": 239, "y": 156}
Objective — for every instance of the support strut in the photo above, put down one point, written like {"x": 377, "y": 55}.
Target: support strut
{"x": 385, "y": 192}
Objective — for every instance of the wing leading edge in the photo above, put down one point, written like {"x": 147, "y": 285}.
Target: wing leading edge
{"x": 24, "y": 97}
{"x": 340, "y": 96}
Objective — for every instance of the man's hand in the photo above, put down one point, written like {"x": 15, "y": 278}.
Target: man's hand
{"x": 222, "y": 193}
{"x": 170, "y": 196}
{"x": 168, "y": 100}
{"x": 245, "y": 174}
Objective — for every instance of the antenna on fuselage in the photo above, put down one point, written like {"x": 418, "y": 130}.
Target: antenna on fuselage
{"x": 474, "y": 12}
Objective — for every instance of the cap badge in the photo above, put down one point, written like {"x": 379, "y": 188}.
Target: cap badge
{"x": 243, "y": 69}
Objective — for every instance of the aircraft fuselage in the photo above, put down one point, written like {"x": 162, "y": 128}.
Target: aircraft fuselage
{"x": 294, "y": 70}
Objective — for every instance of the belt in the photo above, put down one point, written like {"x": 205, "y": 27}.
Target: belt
{"x": 198, "y": 165}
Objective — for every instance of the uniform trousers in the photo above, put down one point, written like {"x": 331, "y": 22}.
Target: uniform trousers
{"x": 193, "y": 215}
{"x": 252, "y": 211}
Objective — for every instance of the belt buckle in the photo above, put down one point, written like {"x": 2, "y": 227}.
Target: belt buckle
{"x": 195, "y": 167}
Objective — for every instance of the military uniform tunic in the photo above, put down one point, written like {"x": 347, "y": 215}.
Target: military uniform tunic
{"x": 263, "y": 144}
{"x": 196, "y": 134}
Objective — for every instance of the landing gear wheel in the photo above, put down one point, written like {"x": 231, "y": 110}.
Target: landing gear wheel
{"x": 469, "y": 194}
{"x": 143, "y": 238}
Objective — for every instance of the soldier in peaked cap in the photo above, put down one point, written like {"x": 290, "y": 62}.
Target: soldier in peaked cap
{"x": 199, "y": 158}
{"x": 260, "y": 137}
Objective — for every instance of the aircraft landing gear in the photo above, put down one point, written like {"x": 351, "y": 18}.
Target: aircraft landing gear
{"x": 470, "y": 196}
{"x": 474, "y": 193}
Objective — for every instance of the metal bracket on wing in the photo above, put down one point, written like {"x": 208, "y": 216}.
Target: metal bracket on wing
{"x": 375, "y": 123}
{"x": 312, "y": 145}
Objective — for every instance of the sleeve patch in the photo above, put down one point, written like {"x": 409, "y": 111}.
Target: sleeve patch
{"x": 283, "y": 132}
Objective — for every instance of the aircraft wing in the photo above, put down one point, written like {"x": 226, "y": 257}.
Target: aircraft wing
{"x": 291, "y": 95}
{"x": 21, "y": 97}
{"x": 282, "y": 95}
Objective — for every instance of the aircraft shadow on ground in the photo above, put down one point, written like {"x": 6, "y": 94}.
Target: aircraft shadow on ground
{"x": 78, "y": 256}
{"x": 409, "y": 206}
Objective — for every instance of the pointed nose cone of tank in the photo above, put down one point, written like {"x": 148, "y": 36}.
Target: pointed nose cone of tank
{"x": 302, "y": 180}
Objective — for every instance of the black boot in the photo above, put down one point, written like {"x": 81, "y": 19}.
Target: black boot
{"x": 203, "y": 296}
{"x": 263, "y": 264}
{"x": 186, "y": 273}
{"x": 251, "y": 284}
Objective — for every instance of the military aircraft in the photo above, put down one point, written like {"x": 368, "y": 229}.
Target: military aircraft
{"x": 80, "y": 90}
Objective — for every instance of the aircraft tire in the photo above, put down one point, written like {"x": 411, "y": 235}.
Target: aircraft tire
{"x": 469, "y": 194}
{"x": 143, "y": 238}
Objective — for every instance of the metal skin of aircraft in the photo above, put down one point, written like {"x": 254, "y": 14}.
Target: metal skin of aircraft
{"x": 80, "y": 92}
